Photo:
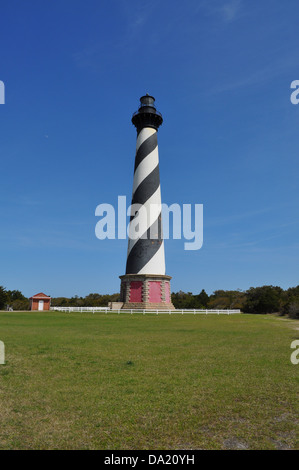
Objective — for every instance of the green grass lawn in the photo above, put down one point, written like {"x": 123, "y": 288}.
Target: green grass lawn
{"x": 83, "y": 381}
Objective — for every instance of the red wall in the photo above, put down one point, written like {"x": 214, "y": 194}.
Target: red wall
{"x": 136, "y": 291}
{"x": 154, "y": 291}
{"x": 34, "y": 304}
{"x": 167, "y": 293}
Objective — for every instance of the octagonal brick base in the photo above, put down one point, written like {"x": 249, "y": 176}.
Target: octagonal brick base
{"x": 146, "y": 291}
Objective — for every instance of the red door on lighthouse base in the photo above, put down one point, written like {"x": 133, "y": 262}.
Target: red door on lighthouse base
{"x": 136, "y": 291}
{"x": 154, "y": 292}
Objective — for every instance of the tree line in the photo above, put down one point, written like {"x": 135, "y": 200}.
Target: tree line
{"x": 258, "y": 300}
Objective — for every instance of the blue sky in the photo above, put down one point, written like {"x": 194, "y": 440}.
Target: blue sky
{"x": 220, "y": 71}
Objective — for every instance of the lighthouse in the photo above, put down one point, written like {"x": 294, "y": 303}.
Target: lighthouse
{"x": 145, "y": 284}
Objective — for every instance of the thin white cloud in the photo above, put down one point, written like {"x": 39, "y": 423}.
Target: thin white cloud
{"x": 230, "y": 10}
{"x": 258, "y": 77}
{"x": 134, "y": 24}
{"x": 219, "y": 221}
{"x": 227, "y": 11}
{"x": 20, "y": 200}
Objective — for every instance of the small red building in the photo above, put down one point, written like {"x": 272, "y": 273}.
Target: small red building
{"x": 40, "y": 302}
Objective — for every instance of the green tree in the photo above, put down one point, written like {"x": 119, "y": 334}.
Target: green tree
{"x": 13, "y": 295}
{"x": 182, "y": 300}
{"x": 265, "y": 299}
{"x": 291, "y": 302}
{"x": 202, "y": 299}
{"x": 293, "y": 309}
{"x": 227, "y": 299}
{"x": 20, "y": 304}
{"x": 3, "y": 297}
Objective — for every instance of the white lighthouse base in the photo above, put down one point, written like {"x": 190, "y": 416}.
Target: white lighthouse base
{"x": 146, "y": 291}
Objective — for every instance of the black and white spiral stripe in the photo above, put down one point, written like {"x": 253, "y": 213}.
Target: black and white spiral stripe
{"x": 146, "y": 252}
